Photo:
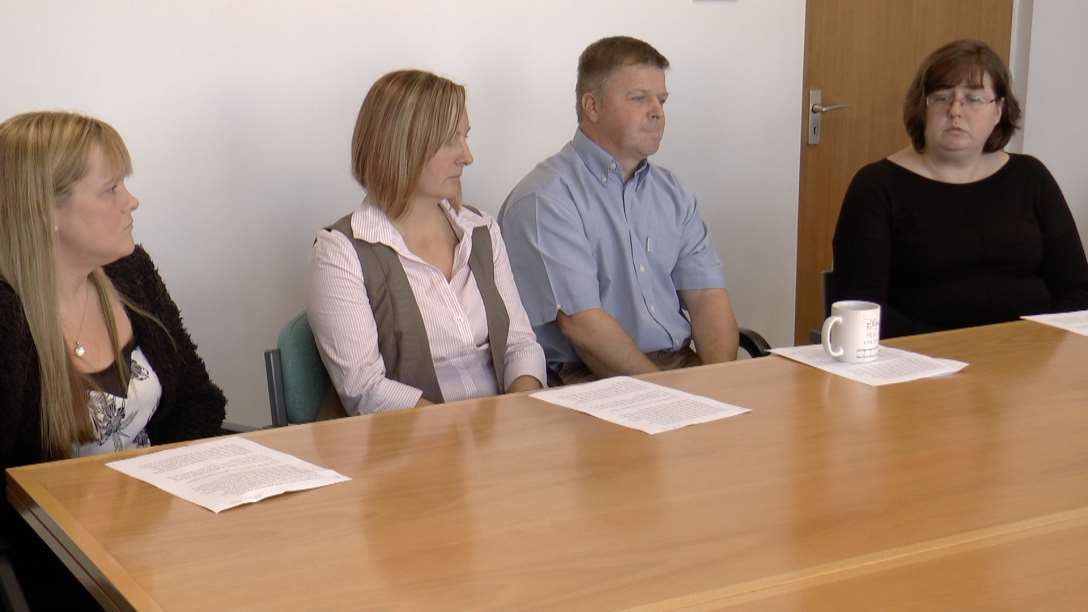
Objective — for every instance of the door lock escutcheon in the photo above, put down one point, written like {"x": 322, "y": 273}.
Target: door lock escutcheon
{"x": 815, "y": 109}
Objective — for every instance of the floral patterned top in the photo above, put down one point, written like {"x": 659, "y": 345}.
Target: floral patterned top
{"x": 120, "y": 415}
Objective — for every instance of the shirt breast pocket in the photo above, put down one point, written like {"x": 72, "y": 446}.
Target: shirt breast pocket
{"x": 661, "y": 247}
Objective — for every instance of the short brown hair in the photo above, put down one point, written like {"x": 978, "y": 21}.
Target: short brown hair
{"x": 406, "y": 116}
{"x": 598, "y": 61}
{"x": 961, "y": 61}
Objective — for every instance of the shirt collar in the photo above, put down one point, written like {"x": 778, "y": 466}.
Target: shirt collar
{"x": 464, "y": 220}
{"x": 370, "y": 223}
{"x": 600, "y": 164}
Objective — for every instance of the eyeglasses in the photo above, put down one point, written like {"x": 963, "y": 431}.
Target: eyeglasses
{"x": 941, "y": 101}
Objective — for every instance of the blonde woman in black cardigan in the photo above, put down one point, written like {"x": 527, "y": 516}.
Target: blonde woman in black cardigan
{"x": 93, "y": 354}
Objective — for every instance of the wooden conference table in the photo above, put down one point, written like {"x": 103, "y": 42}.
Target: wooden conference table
{"x": 963, "y": 492}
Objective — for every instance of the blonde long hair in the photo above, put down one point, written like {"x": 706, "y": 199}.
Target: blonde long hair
{"x": 42, "y": 155}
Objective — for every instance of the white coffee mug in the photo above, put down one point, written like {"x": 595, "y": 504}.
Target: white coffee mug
{"x": 856, "y": 336}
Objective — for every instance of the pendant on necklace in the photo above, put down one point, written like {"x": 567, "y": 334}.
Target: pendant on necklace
{"x": 79, "y": 350}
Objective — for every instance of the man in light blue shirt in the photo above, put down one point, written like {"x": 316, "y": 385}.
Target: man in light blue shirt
{"x": 614, "y": 265}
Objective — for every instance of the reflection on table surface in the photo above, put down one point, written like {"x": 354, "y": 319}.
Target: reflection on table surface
{"x": 827, "y": 489}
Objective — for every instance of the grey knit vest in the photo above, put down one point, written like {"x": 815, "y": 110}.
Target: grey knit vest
{"x": 402, "y": 337}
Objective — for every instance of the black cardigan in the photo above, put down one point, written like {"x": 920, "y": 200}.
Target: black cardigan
{"x": 191, "y": 405}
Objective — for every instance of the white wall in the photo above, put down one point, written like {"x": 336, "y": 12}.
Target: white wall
{"x": 1055, "y": 127}
{"x": 239, "y": 116}
{"x": 1019, "y": 55}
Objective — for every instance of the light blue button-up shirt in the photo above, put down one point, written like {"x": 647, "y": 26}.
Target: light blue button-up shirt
{"x": 580, "y": 237}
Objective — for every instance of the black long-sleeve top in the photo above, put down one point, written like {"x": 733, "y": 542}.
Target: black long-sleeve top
{"x": 941, "y": 255}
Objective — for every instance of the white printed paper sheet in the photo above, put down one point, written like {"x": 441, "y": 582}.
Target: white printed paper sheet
{"x": 226, "y": 472}
{"x": 891, "y": 365}
{"x": 1076, "y": 322}
{"x": 639, "y": 404}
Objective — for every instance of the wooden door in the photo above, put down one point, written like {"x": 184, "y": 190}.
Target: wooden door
{"x": 864, "y": 53}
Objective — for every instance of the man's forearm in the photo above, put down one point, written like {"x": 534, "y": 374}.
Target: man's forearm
{"x": 603, "y": 345}
{"x": 713, "y": 326}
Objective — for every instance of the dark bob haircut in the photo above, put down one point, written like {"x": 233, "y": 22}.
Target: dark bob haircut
{"x": 961, "y": 61}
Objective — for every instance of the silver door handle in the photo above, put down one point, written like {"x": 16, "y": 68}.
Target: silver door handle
{"x": 819, "y": 108}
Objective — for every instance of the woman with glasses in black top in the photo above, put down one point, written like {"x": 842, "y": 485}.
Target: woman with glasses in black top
{"x": 952, "y": 231}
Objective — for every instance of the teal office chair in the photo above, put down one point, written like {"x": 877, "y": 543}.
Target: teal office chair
{"x": 299, "y": 389}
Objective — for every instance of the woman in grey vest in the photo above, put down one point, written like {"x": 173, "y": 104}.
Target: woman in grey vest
{"x": 410, "y": 296}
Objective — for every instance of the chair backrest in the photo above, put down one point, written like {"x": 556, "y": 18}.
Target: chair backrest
{"x": 299, "y": 389}
{"x": 830, "y": 290}
{"x": 830, "y": 294}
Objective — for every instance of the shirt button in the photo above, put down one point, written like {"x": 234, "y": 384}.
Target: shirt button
{"x": 612, "y": 166}
{"x": 641, "y": 268}
{"x": 652, "y": 310}
{"x": 604, "y": 179}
